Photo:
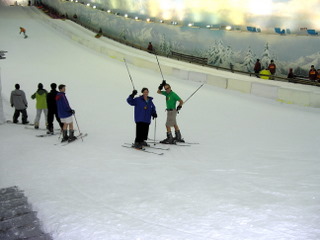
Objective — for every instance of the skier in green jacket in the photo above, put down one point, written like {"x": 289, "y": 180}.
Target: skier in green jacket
{"x": 41, "y": 104}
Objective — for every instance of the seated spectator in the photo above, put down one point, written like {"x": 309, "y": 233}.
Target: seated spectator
{"x": 265, "y": 73}
{"x": 313, "y": 73}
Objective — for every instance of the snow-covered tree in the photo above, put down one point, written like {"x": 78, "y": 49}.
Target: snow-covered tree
{"x": 265, "y": 57}
{"x": 249, "y": 61}
{"x": 164, "y": 46}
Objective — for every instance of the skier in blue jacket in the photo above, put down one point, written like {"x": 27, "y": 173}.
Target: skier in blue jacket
{"x": 65, "y": 114}
{"x": 144, "y": 109}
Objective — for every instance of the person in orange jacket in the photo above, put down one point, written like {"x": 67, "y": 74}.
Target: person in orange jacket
{"x": 23, "y": 30}
{"x": 313, "y": 73}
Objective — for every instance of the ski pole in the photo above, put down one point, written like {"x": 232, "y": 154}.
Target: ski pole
{"x": 125, "y": 62}
{"x": 193, "y": 93}
{"x": 159, "y": 66}
{"x": 80, "y": 134}
{"x": 155, "y": 129}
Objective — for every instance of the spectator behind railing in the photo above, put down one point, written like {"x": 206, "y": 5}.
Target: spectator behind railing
{"x": 313, "y": 73}
{"x": 257, "y": 67}
{"x": 290, "y": 74}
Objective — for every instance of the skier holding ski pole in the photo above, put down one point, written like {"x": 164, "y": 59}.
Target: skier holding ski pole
{"x": 171, "y": 101}
{"x": 144, "y": 109}
{"x": 65, "y": 113}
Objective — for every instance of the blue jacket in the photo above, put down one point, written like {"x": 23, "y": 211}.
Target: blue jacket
{"x": 64, "y": 109}
{"x": 143, "y": 110}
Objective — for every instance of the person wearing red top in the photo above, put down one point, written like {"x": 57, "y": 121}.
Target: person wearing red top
{"x": 313, "y": 73}
{"x": 150, "y": 47}
{"x": 272, "y": 67}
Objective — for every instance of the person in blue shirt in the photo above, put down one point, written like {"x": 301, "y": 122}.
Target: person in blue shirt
{"x": 65, "y": 114}
{"x": 144, "y": 109}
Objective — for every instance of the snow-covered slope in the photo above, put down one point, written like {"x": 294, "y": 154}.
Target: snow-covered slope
{"x": 254, "y": 175}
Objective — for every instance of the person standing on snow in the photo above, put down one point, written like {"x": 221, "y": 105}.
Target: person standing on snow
{"x": 41, "y": 104}
{"x": 171, "y": 100}
{"x": 65, "y": 114}
{"x": 52, "y": 108}
{"x": 18, "y": 100}
{"x": 144, "y": 109}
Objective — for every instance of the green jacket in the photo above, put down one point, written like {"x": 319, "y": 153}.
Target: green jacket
{"x": 41, "y": 98}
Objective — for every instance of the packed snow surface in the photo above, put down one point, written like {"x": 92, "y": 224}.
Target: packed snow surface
{"x": 254, "y": 175}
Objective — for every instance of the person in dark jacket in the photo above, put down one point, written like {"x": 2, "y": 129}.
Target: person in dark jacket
{"x": 290, "y": 74}
{"x": 52, "y": 108}
{"x": 150, "y": 48}
{"x": 65, "y": 114}
{"x": 18, "y": 100}
{"x": 144, "y": 109}
{"x": 257, "y": 67}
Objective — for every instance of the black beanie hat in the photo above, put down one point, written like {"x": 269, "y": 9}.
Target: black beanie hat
{"x": 53, "y": 86}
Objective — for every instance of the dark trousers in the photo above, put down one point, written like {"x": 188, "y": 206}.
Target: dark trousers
{"x": 51, "y": 115}
{"x": 17, "y": 114}
{"x": 142, "y": 130}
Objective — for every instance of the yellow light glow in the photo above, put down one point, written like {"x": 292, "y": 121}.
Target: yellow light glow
{"x": 235, "y": 12}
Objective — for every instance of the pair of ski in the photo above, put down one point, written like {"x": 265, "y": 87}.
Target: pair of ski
{"x": 175, "y": 143}
{"x": 148, "y": 149}
{"x": 79, "y": 137}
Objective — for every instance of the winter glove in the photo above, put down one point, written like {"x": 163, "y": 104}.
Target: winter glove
{"x": 162, "y": 85}
{"x": 134, "y": 92}
{"x": 179, "y": 108}
{"x": 72, "y": 111}
{"x": 154, "y": 115}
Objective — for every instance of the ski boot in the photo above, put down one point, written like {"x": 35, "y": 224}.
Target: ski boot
{"x": 137, "y": 145}
{"x": 71, "y": 136}
{"x": 50, "y": 131}
{"x": 64, "y": 136}
{"x": 178, "y": 137}
{"x": 169, "y": 139}
{"x": 145, "y": 144}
